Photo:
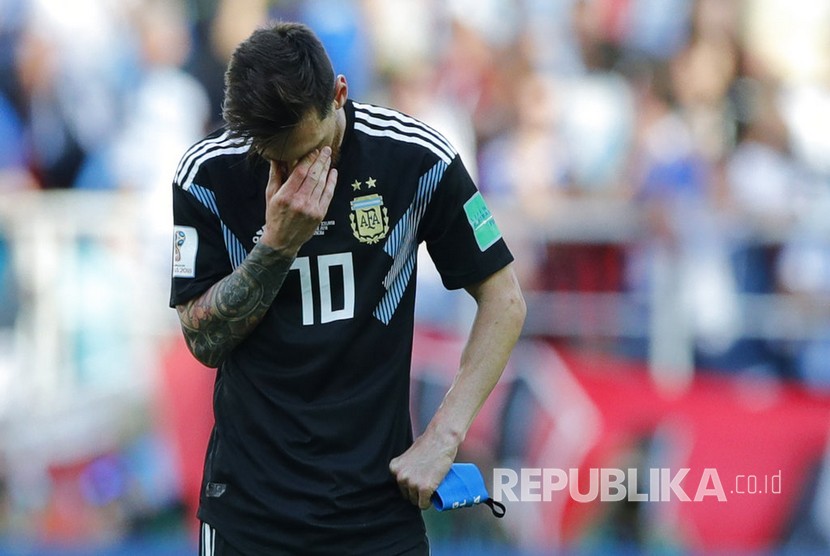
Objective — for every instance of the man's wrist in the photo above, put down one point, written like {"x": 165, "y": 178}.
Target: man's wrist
{"x": 268, "y": 254}
{"x": 447, "y": 437}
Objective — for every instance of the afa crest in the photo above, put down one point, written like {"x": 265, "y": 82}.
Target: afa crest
{"x": 369, "y": 218}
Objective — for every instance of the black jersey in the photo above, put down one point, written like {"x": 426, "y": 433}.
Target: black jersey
{"x": 312, "y": 406}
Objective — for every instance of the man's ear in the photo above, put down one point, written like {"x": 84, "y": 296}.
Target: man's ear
{"x": 341, "y": 91}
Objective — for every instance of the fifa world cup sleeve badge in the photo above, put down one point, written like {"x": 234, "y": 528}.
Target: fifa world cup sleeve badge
{"x": 185, "y": 247}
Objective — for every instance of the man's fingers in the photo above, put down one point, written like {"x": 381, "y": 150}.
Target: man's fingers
{"x": 404, "y": 491}
{"x": 413, "y": 495}
{"x": 276, "y": 176}
{"x": 310, "y": 173}
{"x": 310, "y": 167}
{"x": 417, "y": 495}
{"x": 318, "y": 171}
{"x": 300, "y": 173}
{"x": 327, "y": 191}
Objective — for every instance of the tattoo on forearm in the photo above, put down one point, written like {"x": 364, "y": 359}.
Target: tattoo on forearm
{"x": 222, "y": 317}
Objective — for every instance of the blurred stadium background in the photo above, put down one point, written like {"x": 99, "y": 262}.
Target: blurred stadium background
{"x": 661, "y": 169}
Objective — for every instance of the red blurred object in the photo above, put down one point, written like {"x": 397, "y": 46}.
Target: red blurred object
{"x": 589, "y": 412}
{"x": 187, "y": 416}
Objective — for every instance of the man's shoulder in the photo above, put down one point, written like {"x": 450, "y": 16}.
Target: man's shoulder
{"x": 217, "y": 149}
{"x": 384, "y": 124}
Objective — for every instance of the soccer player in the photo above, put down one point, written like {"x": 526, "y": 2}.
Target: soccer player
{"x": 296, "y": 232}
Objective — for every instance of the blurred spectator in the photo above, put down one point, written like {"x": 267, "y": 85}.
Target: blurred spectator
{"x": 14, "y": 171}
{"x": 72, "y": 65}
{"x": 707, "y": 118}
{"x": 764, "y": 182}
{"x": 658, "y": 29}
{"x": 596, "y": 104}
{"x": 803, "y": 273}
{"x": 403, "y": 32}
{"x": 164, "y": 112}
{"x": 218, "y": 27}
{"x": 527, "y": 166}
{"x": 671, "y": 180}
{"x": 55, "y": 150}
{"x": 341, "y": 27}
{"x": 524, "y": 171}
{"x": 163, "y": 97}
{"x": 703, "y": 72}
{"x": 9, "y": 294}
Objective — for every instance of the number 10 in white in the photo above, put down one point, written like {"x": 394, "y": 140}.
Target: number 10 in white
{"x": 324, "y": 264}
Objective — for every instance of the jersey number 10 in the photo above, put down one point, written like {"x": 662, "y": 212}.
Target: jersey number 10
{"x": 325, "y": 263}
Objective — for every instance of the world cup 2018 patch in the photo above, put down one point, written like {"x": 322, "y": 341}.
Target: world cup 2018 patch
{"x": 185, "y": 246}
{"x": 481, "y": 221}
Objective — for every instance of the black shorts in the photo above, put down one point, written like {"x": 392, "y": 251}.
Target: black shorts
{"x": 213, "y": 544}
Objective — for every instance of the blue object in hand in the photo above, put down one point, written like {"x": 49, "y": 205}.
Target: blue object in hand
{"x": 463, "y": 487}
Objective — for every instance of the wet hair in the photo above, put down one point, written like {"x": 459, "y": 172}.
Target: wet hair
{"x": 274, "y": 79}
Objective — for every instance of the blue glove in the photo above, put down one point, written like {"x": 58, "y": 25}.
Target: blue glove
{"x": 462, "y": 487}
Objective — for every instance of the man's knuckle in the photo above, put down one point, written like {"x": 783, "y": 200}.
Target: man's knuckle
{"x": 299, "y": 204}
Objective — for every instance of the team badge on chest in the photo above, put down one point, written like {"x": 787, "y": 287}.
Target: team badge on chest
{"x": 369, "y": 218}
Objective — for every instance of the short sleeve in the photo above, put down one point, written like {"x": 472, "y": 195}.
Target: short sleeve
{"x": 200, "y": 258}
{"x": 461, "y": 235}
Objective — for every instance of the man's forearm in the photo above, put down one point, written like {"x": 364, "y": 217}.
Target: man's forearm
{"x": 498, "y": 323}
{"x": 216, "y": 322}
{"x": 495, "y": 330}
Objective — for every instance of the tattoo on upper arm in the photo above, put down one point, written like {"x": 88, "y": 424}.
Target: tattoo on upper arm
{"x": 216, "y": 322}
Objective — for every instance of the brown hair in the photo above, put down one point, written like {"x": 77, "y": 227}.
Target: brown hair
{"x": 274, "y": 78}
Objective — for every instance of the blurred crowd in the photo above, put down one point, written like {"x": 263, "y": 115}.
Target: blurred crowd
{"x": 706, "y": 117}
{"x": 671, "y": 152}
